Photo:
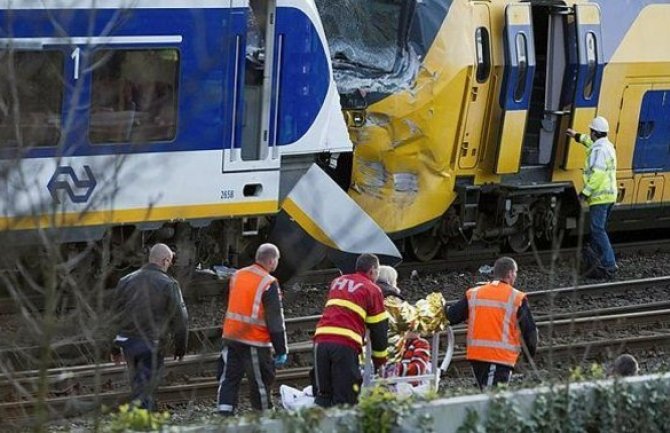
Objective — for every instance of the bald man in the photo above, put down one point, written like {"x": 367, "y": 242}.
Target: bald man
{"x": 148, "y": 306}
{"x": 252, "y": 326}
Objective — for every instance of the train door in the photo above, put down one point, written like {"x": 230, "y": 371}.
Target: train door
{"x": 552, "y": 94}
{"x": 562, "y": 86}
{"x": 516, "y": 86}
{"x": 583, "y": 77}
{"x": 251, "y": 81}
{"x": 651, "y": 154}
{"x": 626, "y": 135}
{"x": 544, "y": 110}
{"x": 474, "y": 135}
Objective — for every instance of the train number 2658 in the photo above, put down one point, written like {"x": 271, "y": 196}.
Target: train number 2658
{"x": 227, "y": 194}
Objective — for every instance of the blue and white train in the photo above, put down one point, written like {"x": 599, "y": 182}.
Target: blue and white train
{"x": 181, "y": 121}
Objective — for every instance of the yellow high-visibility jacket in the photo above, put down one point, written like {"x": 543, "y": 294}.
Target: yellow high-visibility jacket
{"x": 600, "y": 185}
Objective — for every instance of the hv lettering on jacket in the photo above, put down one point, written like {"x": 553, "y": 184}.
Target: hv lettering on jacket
{"x": 599, "y": 175}
{"x": 493, "y": 331}
{"x": 354, "y": 303}
{"x": 255, "y": 315}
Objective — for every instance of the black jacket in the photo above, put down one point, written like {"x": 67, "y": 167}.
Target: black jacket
{"x": 389, "y": 290}
{"x": 149, "y": 305}
{"x": 274, "y": 318}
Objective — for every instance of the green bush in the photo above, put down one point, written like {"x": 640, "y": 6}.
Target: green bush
{"x": 620, "y": 408}
{"x": 130, "y": 417}
{"x": 379, "y": 410}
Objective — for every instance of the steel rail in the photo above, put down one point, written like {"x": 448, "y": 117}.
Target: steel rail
{"x": 457, "y": 260}
{"x": 208, "y": 338}
{"x": 205, "y": 387}
{"x": 63, "y": 381}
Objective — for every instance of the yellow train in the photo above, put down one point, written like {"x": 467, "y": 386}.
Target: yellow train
{"x": 458, "y": 111}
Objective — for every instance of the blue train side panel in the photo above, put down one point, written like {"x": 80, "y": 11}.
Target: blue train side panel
{"x": 196, "y": 35}
{"x": 652, "y": 147}
{"x": 205, "y": 40}
{"x": 304, "y": 75}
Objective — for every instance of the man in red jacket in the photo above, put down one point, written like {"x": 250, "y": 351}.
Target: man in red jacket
{"x": 354, "y": 303}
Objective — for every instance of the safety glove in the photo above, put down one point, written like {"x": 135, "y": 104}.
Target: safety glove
{"x": 280, "y": 360}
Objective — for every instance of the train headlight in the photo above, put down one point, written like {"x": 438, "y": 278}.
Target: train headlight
{"x": 358, "y": 118}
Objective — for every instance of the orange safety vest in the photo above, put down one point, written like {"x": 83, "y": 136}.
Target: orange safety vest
{"x": 244, "y": 320}
{"x": 493, "y": 331}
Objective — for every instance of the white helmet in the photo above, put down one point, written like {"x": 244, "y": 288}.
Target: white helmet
{"x": 600, "y": 124}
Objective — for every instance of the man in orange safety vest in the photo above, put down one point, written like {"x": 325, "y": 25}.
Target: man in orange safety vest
{"x": 499, "y": 322}
{"x": 252, "y": 326}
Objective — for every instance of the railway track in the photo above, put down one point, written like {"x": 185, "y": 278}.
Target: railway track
{"x": 553, "y": 329}
{"x": 68, "y": 388}
{"x": 543, "y": 302}
{"x": 204, "y": 387}
{"x": 457, "y": 261}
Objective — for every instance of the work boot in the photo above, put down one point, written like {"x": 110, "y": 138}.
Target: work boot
{"x": 610, "y": 272}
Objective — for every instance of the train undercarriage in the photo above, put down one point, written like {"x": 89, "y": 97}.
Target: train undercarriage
{"x": 509, "y": 217}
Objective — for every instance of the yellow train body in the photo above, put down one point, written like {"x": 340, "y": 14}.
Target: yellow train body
{"x": 458, "y": 125}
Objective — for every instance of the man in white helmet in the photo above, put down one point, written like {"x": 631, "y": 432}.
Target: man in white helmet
{"x": 600, "y": 187}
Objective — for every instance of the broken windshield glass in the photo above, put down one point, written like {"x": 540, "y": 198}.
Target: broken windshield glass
{"x": 365, "y": 42}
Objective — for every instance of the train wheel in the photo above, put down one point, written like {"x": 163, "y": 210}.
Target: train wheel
{"x": 520, "y": 242}
{"x": 424, "y": 246}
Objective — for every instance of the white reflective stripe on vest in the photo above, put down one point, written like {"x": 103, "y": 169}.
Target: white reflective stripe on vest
{"x": 245, "y": 319}
{"x": 259, "y": 294}
{"x": 489, "y": 303}
{"x": 472, "y": 312}
{"x": 507, "y": 321}
{"x": 494, "y": 344}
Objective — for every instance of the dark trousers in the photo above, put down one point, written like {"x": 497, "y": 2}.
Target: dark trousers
{"x": 337, "y": 374}
{"x": 489, "y": 374}
{"x": 236, "y": 360}
{"x": 145, "y": 367}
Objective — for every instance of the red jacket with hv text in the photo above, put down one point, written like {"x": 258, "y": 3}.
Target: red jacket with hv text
{"x": 354, "y": 303}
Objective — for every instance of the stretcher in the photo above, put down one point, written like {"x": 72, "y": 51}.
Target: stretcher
{"x": 294, "y": 399}
{"x": 419, "y": 383}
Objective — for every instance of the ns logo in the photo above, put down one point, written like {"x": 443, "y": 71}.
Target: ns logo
{"x": 65, "y": 182}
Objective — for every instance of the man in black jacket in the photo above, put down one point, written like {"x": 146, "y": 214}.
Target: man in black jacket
{"x": 149, "y": 305}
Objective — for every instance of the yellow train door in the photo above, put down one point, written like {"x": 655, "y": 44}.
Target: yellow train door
{"x": 478, "y": 104}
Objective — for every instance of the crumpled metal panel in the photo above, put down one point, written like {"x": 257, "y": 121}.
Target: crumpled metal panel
{"x": 403, "y": 172}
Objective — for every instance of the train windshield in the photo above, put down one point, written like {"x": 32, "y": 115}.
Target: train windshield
{"x": 366, "y": 42}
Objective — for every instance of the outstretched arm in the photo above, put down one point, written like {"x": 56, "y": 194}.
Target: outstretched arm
{"x": 457, "y": 313}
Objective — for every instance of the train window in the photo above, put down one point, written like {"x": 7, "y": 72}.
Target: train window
{"x": 522, "y": 62}
{"x": 645, "y": 129}
{"x": 31, "y": 98}
{"x": 134, "y": 96}
{"x": 591, "y": 64}
{"x": 483, "y": 54}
